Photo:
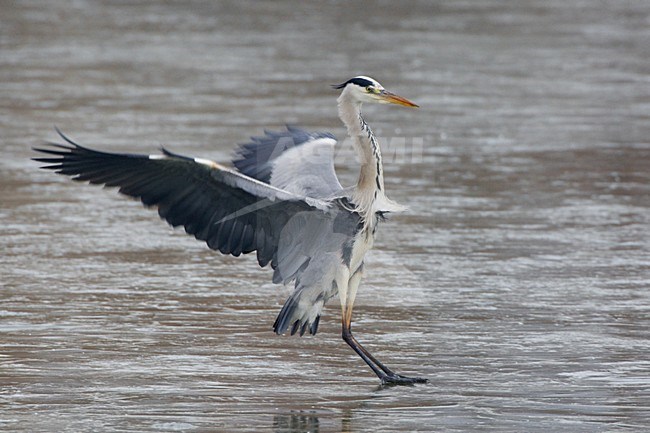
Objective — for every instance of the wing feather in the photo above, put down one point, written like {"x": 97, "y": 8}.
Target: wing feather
{"x": 231, "y": 212}
{"x": 294, "y": 160}
{"x": 295, "y": 226}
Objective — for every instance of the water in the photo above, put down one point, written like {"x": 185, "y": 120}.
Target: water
{"x": 517, "y": 282}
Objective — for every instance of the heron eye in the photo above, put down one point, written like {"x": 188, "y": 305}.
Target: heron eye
{"x": 370, "y": 89}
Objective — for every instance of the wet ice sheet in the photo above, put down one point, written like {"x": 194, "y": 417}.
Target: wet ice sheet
{"x": 517, "y": 282}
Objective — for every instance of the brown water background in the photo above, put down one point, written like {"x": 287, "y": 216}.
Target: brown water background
{"x": 517, "y": 282}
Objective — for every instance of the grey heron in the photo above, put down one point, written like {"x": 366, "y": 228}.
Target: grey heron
{"x": 282, "y": 200}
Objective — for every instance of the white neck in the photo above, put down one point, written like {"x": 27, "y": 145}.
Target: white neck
{"x": 368, "y": 195}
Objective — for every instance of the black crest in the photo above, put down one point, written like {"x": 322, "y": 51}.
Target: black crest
{"x": 356, "y": 80}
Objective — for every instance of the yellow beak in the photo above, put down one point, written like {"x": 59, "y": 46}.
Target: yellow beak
{"x": 392, "y": 98}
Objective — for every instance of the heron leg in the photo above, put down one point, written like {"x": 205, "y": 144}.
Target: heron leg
{"x": 385, "y": 374}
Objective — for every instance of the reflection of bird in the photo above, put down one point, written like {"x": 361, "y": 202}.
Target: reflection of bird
{"x": 285, "y": 202}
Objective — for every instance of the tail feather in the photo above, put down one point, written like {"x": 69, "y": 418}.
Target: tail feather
{"x": 298, "y": 317}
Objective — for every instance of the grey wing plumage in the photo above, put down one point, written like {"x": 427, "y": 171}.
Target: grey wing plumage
{"x": 313, "y": 245}
{"x": 294, "y": 160}
{"x": 232, "y": 213}
{"x": 301, "y": 237}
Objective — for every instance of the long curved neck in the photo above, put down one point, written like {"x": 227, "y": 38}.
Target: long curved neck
{"x": 370, "y": 185}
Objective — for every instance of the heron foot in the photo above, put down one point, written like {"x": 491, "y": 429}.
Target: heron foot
{"x": 398, "y": 379}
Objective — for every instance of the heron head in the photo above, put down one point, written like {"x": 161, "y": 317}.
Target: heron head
{"x": 366, "y": 89}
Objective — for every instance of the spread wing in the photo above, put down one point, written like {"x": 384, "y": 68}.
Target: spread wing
{"x": 231, "y": 212}
{"x": 294, "y": 160}
{"x": 305, "y": 239}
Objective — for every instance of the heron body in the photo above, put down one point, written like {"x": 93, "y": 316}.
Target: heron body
{"x": 282, "y": 200}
